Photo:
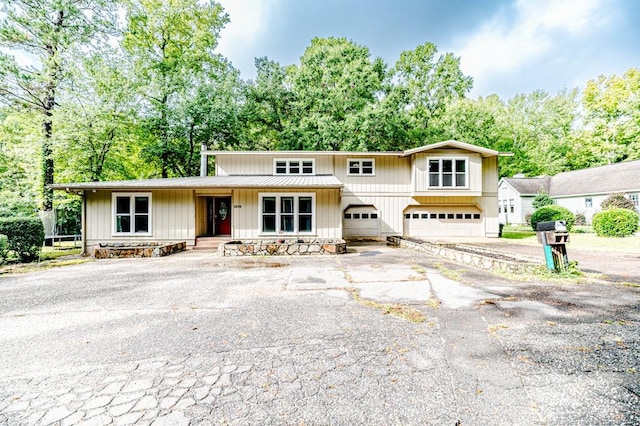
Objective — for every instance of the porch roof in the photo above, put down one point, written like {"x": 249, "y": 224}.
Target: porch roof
{"x": 249, "y": 182}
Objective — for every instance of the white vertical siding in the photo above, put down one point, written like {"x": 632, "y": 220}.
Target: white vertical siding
{"x": 263, "y": 164}
{"x": 172, "y": 218}
{"x": 392, "y": 175}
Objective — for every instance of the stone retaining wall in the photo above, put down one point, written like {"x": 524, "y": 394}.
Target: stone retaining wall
{"x": 472, "y": 255}
{"x": 283, "y": 248}
{"x": 122, "y": 250}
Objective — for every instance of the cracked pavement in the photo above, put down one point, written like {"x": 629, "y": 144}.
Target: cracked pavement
{"x": 194, "y": 338}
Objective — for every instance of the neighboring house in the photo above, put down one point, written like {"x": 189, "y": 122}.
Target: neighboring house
{"x": 515, "y": 197}
{"x": 444, "y": 189}
{"x": 581, "y": 191}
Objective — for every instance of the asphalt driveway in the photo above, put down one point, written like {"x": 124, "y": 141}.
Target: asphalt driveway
{"x": 198, "y": 339}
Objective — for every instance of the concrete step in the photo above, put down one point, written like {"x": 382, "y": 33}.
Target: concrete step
{"x": 209, "y": 243}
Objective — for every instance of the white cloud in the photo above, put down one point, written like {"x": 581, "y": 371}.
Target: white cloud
{"x": 249, "y": 18}
{"x": 537, "y": 27}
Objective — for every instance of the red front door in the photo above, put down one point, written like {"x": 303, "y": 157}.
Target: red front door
{"x": 223, "y": 216}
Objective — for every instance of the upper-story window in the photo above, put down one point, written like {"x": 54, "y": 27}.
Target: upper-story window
{"x": 448, "y": 173}
{"x": 588, "y": 203}
{"x": 634, "y": 199}
{"x": 361, "y": 167}
{"x": 293, "y": 167}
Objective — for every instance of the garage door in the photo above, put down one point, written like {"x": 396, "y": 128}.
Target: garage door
{"x": 442, "y": 221}
{"x": 361, "y": 221}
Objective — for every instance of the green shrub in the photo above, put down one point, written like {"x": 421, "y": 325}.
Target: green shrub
{"x": 25, "y": 236}
{"x": 617, "y": 200}
{"x": 4, "y": 248}
{"x": 552, "y": 213}
{"x": 542, "y": 199}
{"x": 615, "y": 222}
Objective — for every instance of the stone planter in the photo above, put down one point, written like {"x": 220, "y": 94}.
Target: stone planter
{"x": 124, "y": 250}
{"x": 284, "y": 247}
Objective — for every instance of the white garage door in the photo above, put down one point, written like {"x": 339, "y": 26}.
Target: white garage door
{"x": 361, "y": 221}
{"x": 442, "y": 221}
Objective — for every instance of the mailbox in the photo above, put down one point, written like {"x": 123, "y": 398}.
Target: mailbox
{"x": 553, "y": 236}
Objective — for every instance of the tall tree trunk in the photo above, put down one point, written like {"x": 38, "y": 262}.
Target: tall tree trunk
{"x": 164, "y": 135}
{"x": 48, "y": 167}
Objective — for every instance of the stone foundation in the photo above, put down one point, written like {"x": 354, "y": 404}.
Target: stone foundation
{"x": 122, "y": 250}
{"x": 294, "y": 247}
{"x": 471, "y": 255}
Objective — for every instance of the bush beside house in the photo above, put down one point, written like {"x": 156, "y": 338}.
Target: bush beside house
{"x": 615, "y": 222}
{"x": 618, "y": 200}
{"x": 25, "y": 236}
{"x": 552, "y": 213}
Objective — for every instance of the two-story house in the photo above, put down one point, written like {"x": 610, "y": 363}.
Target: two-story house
{"x": 444, "y": 189}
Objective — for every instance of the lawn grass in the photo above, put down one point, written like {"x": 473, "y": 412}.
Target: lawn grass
{"x": 577, "y": 240}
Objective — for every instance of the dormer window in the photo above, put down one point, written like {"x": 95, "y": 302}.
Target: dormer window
{"x": 448, "y": 173}
{"x": 293, "y": 167}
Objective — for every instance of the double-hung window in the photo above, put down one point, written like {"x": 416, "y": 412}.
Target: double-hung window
{"x": 588, "y": 203}
{"x": 361, "y": 167}
{"x": 293, "y": 167}
{"x": 286, "y": 213}
{"x": 448, "y": 173}
{"x": 131, "y": 213}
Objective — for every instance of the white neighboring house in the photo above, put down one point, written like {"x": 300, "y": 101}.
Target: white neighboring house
{"x": 580, "y": 191}
{"x": 515, "y": 197}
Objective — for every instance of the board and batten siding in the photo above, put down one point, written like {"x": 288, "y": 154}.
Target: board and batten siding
{"x": 245, "y": 216}
{"x": 172, "y": 218}
{"x": 263, "y": 164}
{"x": 392, "y": 175}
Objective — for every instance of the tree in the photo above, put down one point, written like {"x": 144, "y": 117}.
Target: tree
{"x": 333, "y": 85}
{"x": 538, "y": 127}
{"x": 424, "y": 85}
{"x": 612, "y": 112}
{"x": 19, "y": 165}
{"x": 542, "y": 199}
{"x": 97, "y": 130}
{"x": 171, "y": 44}
{"x": 47, "y": 30}
{"x": 269, "y": 106}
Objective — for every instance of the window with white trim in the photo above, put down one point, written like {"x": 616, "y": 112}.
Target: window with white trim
{"x": 361, "y": 167}
{"x": 588, "y": 203}
{"x": 287, "y": 213}
{"x": 293, "y": 166}
{"x": 634, "y": 199}
{"x": 131, "y": 213}
{"x": 448, "y": 173}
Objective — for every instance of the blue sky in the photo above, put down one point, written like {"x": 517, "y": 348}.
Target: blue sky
{"x": 507, "y": 46}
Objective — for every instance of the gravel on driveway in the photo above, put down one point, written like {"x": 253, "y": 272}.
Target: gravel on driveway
{"x": 199, "y": 339}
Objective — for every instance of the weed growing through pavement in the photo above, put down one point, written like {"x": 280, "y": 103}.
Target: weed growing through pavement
{"x": 452, "y": 274}
{"x": 493, "y": 329}
{"x": 395, "y": 309}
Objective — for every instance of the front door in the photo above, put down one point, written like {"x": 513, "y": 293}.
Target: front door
{"x": 223, "y": 216}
